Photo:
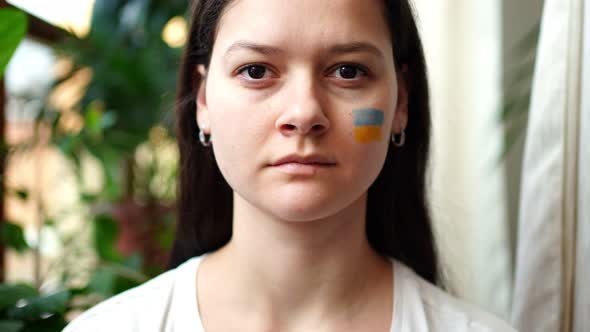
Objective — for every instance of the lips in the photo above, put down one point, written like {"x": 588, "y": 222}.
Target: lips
{"x": 312, "y": 159}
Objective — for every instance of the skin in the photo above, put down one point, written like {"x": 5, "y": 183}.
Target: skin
{"x": 298, "y": 259}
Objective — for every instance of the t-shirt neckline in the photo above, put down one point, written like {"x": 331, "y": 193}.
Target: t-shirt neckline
{"x": 189, "y": 315}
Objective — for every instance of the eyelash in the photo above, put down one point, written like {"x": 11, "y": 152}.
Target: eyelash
{"x": 242, "y": 69}
{"x": 363, "y": 70}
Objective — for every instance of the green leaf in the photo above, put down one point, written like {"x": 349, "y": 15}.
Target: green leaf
{"x": 11, "y": 325}
{"x": 41, "y": 306}
{"x": 92, "y": 120}
{"x": 102, "y": 282}
{"x": 54, "y": 323}
{"x": 78, "y": 291}
{"x": 13, "y": 26}
{"x": 10, "y": 294}
{"x": 128, "y": 274}
{"x": 12, "y": 236}
{"x": 133, "y": 262}
{"x": 166, "y": 236}
{"x": 69, "y": 145}
{"x": 105, "y": 236}
{"x": 110, "y": 160}
{"x": 113, "y": 278}
{"x": 108, "y": 120}
{"x": 49, "y": 222}
{"x": 88, "y": 198}
{"x": 122, "y": 284}
{"x": 22, "y": 194}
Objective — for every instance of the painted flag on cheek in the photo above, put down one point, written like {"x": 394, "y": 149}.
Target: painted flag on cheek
{"x": 367, "y": 125}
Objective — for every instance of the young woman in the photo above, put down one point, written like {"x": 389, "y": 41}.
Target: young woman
{"x": 303, "y": 129}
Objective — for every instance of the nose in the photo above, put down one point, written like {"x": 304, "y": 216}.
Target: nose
{"x": 304, "y": 112}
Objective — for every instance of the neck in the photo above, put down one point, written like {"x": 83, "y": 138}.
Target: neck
{"x": 300, "y": 270}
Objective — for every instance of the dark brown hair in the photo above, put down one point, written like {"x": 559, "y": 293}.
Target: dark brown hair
{"x": 397, "y": 222}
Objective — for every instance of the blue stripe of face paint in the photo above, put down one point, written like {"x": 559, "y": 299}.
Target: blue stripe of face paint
{"x": 368, "y": 117}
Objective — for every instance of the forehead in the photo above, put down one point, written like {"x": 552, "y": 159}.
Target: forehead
{"x": 304, "y": 25}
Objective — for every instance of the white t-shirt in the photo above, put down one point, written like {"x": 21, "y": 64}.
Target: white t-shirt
{"x": 168, "y": 303}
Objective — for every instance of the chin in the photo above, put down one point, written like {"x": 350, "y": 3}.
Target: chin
{"x": 305, "y": 208}
{"x": 300, "y": 216}
{"x": 301, "y": 201}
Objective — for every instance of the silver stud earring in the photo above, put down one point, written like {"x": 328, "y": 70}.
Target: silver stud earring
{"x": 402, "y": 139}
{"x": 204, "y": 140}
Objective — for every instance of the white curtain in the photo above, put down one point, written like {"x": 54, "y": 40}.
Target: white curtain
{"x": 582, "y": 281}
{"x": 462, "y": 40}
{"x": 552, "y": 264}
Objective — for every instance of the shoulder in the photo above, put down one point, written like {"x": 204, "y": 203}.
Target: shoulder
{"x": 143, "y": 308}
{"x": 122, "y": 312}
{"x": 441, "y": 311}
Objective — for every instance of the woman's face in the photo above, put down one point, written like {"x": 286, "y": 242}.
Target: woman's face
{"x": 301, "y": 77}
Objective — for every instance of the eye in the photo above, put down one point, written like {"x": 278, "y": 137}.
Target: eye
{"x": 350, "y": 71}
{"x": 253, "y": 72}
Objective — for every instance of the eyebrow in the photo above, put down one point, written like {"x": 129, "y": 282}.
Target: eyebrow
{"x": 357, "y": 47}
{"x": 258, "y": 48}
{"x": 354, "y": 47}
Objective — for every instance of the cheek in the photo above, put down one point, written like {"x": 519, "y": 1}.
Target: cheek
{"x": 369, "y": 141}
{"x": 229, "y": 130}
{"x": 238, "y": 136}
{"x": 368, "y": 125}
{"x": 369, "y": 159}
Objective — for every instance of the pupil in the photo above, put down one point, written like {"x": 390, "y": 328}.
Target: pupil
{"x": 347, "y": 71}
{"x": 256, "y": 72}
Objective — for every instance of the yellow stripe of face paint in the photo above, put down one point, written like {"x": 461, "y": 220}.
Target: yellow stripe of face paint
{"x": 367, "y": 134}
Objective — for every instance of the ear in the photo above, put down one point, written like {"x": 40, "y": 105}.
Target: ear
{"x": 201, "y": 100}
{"x": 400, "y": 120}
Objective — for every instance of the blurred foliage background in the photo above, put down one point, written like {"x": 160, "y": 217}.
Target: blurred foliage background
{"x": 123, "y": 120}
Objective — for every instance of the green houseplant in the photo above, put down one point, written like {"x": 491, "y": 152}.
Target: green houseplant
{"x": 22, "y": 308}
{"x": 126, "y": 114}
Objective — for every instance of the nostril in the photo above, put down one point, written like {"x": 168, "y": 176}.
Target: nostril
{"x": 317, "y": 127}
